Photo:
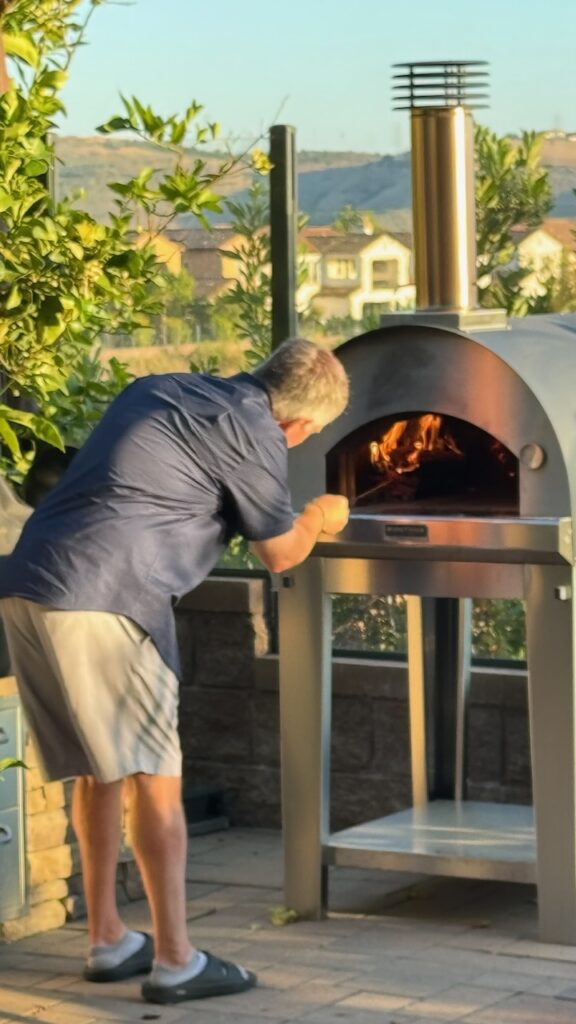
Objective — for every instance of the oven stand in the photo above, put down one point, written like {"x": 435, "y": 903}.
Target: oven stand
{"x": 443, "y": 833}
{"x": 439, "y": 671}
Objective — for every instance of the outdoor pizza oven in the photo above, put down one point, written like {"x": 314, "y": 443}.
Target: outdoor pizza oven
{"x": 447, "y": 430}
{"x": 458, "y": 456}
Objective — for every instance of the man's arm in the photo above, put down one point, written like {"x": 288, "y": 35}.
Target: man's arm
{"x": 327, "y": 513}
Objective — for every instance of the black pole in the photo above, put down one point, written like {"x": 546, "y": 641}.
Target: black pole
{"x": 283, "y": 232}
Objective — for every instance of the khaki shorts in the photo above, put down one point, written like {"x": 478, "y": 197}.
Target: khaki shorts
{"x": 97, "y": 696}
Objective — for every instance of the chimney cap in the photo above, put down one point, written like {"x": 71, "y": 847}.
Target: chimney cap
{"x": 440, "y": 83}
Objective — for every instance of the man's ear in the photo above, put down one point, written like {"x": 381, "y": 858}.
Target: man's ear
{"x": 291, "y": 429}
{"x": 296, "y": 431}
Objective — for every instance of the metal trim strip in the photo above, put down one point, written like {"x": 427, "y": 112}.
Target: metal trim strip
{"x": 435, "y": 538}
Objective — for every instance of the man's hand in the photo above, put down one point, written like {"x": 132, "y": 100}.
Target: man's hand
{"x": 335, "y": 509}
{"x": 328, "y": 513}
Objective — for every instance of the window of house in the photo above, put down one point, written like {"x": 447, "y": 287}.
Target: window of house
{"x": 341, "y": 270}
{"x": 385, "y": 273}
{"x": 372, "y": 311}
{"x": 312, "y": 273}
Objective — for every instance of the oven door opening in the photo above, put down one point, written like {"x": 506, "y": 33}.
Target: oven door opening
{"x": 424, "y": 463}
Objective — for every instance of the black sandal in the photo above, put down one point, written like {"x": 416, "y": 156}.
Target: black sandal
{"x": 218, "y": 978}
{"x": 139, "y": 963}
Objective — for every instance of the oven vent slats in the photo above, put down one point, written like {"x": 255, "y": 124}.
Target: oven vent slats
{"x": 455, "y": 83}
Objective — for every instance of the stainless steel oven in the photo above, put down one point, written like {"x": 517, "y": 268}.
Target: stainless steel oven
{"x": 458, "y": 455}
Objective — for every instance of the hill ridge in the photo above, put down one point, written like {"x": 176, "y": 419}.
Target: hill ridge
{"x": 327, "y": 180}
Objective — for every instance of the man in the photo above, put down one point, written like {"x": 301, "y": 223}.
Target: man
{"x": 178, "y": 465}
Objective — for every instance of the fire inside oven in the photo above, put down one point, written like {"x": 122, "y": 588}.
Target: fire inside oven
{"x": 425, "y": 463}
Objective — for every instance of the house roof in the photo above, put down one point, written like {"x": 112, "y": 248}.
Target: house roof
{"x": 404, "y": 237}
{"x": 313, "y": 236}
{"x": 561, "y": 228}
{"x": 317, "y": 230}
{"x": 326, "y": 240}
{"x": 199, "y": 238}
{"x": 342, "y": 245}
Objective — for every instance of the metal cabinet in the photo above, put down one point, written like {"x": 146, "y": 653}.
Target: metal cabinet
{"x": 12, "y": 821}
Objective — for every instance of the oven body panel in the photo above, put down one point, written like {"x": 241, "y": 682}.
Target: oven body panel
{"x": 381, "y": 577}
{"x": 400, "y": 369}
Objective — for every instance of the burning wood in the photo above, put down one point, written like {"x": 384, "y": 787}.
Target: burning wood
{"x": 406, "y": 447}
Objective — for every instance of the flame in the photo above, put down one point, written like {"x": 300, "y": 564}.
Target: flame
{"x": 402, "y": 447}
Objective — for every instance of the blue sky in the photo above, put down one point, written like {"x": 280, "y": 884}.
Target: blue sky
{"x": 322, "y": 65}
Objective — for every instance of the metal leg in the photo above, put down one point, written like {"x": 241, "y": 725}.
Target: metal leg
{"x": 305, "y": 717}
{"x": 463, "y": 679}
{"x": 439, "y": 667}
{"x": 451, "y": 627}
{"x": 417, "y": 700}
{"x": 552, "y": 694}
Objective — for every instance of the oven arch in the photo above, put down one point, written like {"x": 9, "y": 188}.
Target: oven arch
{"x": 393, "y": 369}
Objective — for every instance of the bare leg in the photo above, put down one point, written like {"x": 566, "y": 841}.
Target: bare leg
{"x": 159, "y": 838}
{"x": 96, "y": 819}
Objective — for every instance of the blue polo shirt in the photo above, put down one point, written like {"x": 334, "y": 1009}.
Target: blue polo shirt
{"x": 178, "y": 464}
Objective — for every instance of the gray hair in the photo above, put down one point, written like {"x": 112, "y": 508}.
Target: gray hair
{"x": 304, "y": 381}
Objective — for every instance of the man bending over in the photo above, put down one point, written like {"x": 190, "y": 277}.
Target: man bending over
{"x": 178, "y": 465}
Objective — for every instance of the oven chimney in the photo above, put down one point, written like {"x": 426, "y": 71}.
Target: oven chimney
{"x": 440, "y": 96}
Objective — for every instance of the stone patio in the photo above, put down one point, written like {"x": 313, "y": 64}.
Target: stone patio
{"x": 396, "y": 948}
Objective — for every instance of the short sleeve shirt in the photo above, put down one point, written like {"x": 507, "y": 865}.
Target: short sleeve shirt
{"x": 178, "y": 465}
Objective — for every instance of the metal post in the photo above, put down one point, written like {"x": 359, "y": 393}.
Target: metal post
{"x": 463, "y": 681}
{"x": 305, "y": 616}
{"x": 417, "y": 700}
{"x": 283, "y": 232}
{"x": 451, "y": 684}
{"x": 552, "y": 696}
{"x": 439, "y": 666}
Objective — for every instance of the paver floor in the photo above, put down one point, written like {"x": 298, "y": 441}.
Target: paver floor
{"x": 396, "y": 949}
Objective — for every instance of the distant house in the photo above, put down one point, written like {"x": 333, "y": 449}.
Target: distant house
{"x": 545, "y": 250}
{"x": 167, "y": 251}
{"x": 361, "y": 273}
{"x": 356, "y": 273}
{"x": 203, "y": 257}
{"x": 343, "y": 275}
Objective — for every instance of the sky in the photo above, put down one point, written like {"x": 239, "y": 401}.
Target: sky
{"x": 324, "y": 66}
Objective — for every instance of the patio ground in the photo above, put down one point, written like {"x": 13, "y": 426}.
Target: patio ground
{"x": 395, "y": 948}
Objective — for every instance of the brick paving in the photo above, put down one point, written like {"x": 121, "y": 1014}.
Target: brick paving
{"x": 396, "y": 949}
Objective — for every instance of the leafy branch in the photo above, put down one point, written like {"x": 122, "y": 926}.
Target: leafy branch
{"x": 66, "y": 279}
{"x": 512, "y": 188}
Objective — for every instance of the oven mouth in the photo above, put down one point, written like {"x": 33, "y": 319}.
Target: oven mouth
{"x": 425, "y": 463}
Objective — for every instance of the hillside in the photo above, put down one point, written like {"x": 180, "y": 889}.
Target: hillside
{"x": 326, "y": 182}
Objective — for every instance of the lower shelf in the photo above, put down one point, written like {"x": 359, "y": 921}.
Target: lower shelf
{"x": 465, "y": 839}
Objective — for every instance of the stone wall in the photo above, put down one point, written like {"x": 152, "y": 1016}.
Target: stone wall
{"x": 54, "y": 883}
{"x": 230, "y": 727}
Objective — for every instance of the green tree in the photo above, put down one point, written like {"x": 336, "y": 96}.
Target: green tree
{"x": 87, "y": 393}
{"x": 179, "y": 294}
{"x": 559, "y": 295}
{"x": 245, "y": 310}
{"x": 65, "y": 279}
{"x": 248, "y": 301}
{"x": 348, "y": 220}
{"x": 512, "y": 188}
{"x": 174, "y": 324}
